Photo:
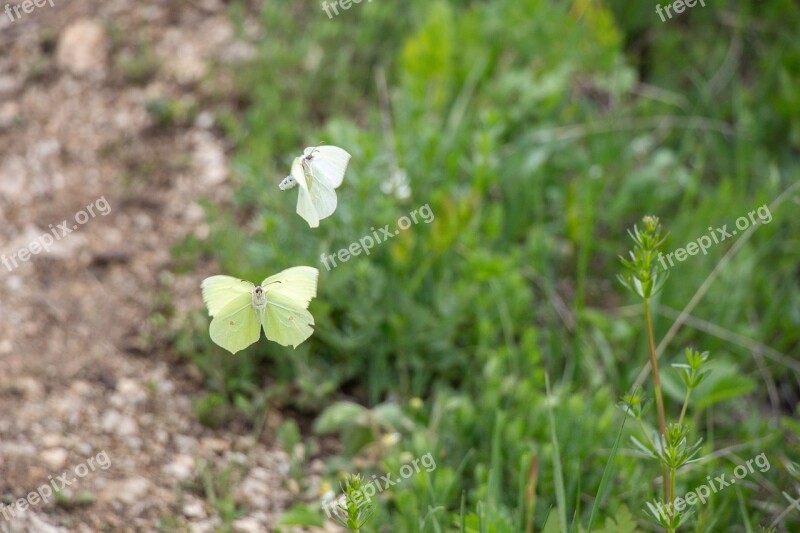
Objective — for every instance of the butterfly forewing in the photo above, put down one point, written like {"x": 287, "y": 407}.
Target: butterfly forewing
{"x": 323, "y": 197}
{"x": 297, "y": 283}
{"x": 327, "y": 163}
{"x": 218, "y": 291}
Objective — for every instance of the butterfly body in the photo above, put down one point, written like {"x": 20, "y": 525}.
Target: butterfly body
{"x": 288, "y": 183}
{"x": 259, "y": 299}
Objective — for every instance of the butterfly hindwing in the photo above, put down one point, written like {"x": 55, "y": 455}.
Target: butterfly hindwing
{"x": 323, "y": 197}
{"x": 286, "y": 323}
{"x": 305, "y": 204}
{"x": 237, "y": 325}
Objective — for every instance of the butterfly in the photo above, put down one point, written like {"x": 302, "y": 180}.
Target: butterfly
{"x": 279, "y": 305}
{"x": 318, "y": 172}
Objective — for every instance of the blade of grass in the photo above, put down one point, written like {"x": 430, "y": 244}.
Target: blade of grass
{"x": 793, "y": 504}
{"x": 743, "y": 509}
{"x": 463, "y": 506}
{"x": 495, "y": 493}
{"x": 530, "y": 493}
{"x": 601, "y": 490}
{"x": 561, "y": 498}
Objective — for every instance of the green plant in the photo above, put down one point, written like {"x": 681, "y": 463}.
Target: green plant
{"x": 535, "y": 129}
{"x": 138, "y": 66}
{"x": 213, "y": 410}
{"x": 670, "y": 446}
{"x": 170, "y": 112}
{"x": 216, "y": 484}
{"x": 288, "y": 435}
{"x": 356, "y": 510}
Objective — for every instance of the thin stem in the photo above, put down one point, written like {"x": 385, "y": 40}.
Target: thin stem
{"x": 662, "y": 421}
{"x": 644, "y": 432}
{"x": 671, "y": 488}
{"x": 685, "y": 404}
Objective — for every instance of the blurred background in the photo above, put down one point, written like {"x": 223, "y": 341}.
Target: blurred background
{"x": 538, "y": 132}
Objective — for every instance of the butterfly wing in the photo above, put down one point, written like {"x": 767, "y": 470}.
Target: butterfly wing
{"x": 328, "y": 163}
{"x": 323, "y": 197}
{"x": 286, "y": 319}
{"x": 298, "y": 283}
{"x": 219, "y": 291}
{"x": 305, "y": 204}
{"x": 230, "y": 301}
{"x": 286, "y": 323}
{"x": 237, "y": 325}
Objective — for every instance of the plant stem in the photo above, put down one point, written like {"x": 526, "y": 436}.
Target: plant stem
{"x": 662, "y": 422}
{"x": 685, "y": 405}
{"x": 672, "y": 480}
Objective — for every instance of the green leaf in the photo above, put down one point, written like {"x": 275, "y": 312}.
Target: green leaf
{"x": 622, "y": 522}
{"x": 340, "y": 415}
{"x": 723, "y": 382}
{"x": 551, "y": 525}
{"x": 302, "y": 515}
{"x": 723, "y": 389}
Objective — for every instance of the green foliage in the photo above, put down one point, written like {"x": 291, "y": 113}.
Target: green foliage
{"x": 358, "y": 426}
{"x": 133, "y": 55}
{"x": 213, "y": 410}
{"x": 356, "y": 511}
{"x": 288, "y": 436}
{"x": 216, "y": 484}
{"x": 302, "y": 515}
{"x": 170, "y": 112}
{"x": 643, "y": 276}
{"x": 536, "y": 131}
{"x": 622, "y": 522}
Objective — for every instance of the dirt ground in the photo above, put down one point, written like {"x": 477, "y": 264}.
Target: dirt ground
{"x": 83, "y": 161}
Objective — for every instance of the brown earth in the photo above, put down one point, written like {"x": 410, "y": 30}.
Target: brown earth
{"x": 84, "y": 367}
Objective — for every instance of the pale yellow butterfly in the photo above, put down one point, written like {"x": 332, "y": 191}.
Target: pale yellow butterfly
{"x": 279, "y": 305}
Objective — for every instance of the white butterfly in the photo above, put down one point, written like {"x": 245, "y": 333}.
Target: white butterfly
{"x": 318, "y": 172}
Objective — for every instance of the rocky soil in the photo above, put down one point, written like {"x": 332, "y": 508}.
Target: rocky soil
{"x": 83, "y": 372}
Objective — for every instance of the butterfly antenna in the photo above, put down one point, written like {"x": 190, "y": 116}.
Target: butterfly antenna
{"x": 315, "y": 148}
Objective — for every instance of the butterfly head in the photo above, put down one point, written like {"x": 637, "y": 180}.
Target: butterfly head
{"x": 259, "y": 298}
{"x": 309, "y": 152}
{"x": 287, "y": 183}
